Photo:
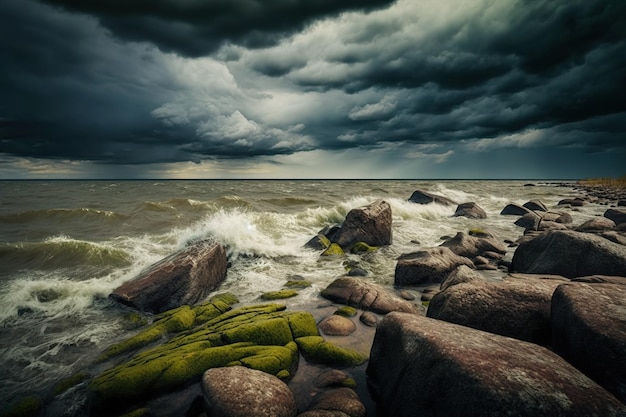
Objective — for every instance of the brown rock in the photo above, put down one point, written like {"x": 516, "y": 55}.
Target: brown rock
{"x": 423, "y": 197}
{"x": 596, "y": 225}
{"x": 589, "y": 330}
{"x": 515, "y": 307}
{"x": 337, "y": 326}
{"x": 367, "y": 296}
{"x": 237, "y": 391}
{"x": 342, "y": 400}
{"x": 470, "y": 246}
{"x": 369, "y": 319}
{"x": 443, "y": 369}
{"x": 370, "y": 224}
{"x": 428, "y": 266}
{"x": 470, "y": 210}
{"x": 184, "y": 277}
{"x": 535, "y": 205}
{"x": 514, "y": 209}
{"x": 459, "y": 275}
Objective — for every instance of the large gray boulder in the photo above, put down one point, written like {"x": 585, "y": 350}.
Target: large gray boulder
{"x": 370, "y": 224}
{"x": 338, "y": 402}
{"x": 237, "y": 391}
{"x": 428, "y": 266}
{"x": 471, "y": 246}
{"x": 366, "y": 295}
{"x": 426, "y": 367}
{"x": 596, "y": 225}
{"x": 424, "y": 197}
{"x": 589, "y": 330}
{"x": 470, "y": 210}
{"x": 516, "y": 307}
{"x": 185, "y": 277}
{"x": 570, "y": 254}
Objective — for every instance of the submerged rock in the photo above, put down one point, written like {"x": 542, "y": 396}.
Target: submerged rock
{"x": 237, "y": 391}
{"x": 589, "y": 330}
{"x": 443, "y": 369}
{"x": 184, "y": 277}
{"x": 370, "y": 224}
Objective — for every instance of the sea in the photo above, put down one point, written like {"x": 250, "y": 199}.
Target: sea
{"x": 65, "y": 245}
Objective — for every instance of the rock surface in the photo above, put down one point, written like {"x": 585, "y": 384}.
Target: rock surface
{"x": 459, "y": 275}
{"x": 514, "y": 209}
{"x": 436, "y": 368}
{"x": 570, "y": 254}
{"x": 470, "y": 210}
{"x": 370, "y": 224}
{"x": 589, "y": 329}
{"x": 617, "y": 215}
{"x": 367, "y": 296}
{"x": 184, "y": 277}
{"x": 335, "y": 325}
{"x": 424, "y": 197}
{"x": 470, "y": 246}
{"x": 596, "y": 225}
{"x": 237, "y": 391}
{"x": 514, "y": 307}
{"x": 428, "y": 266}
{"x": 339, "y": 402}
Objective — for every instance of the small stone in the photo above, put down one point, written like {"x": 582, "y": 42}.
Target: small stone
{"x": 337, "y": 326}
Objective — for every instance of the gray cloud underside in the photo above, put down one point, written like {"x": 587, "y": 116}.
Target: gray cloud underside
{"x": 215, "y": 80}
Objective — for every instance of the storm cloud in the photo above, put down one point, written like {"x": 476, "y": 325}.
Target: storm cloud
{"x": 435, "y": 88}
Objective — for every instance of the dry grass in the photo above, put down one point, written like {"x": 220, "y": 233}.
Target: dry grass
{"x": 604, "y": 182}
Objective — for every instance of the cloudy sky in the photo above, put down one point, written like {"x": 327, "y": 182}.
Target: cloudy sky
{"x": 312, "y": 89}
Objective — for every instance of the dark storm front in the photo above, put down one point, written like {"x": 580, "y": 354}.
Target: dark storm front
{"x": 65, "y": 245}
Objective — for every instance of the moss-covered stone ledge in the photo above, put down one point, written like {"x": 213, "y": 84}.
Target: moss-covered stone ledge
{"x": 265, "y": 337}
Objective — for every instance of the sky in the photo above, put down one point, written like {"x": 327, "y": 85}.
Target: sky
{"x": 489, "y": 89}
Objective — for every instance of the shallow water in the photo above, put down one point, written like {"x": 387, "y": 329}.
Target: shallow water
{"x": 65, "y": 245}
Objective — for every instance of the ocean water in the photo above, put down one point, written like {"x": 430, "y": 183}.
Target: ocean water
{"x": 65, "y": 245}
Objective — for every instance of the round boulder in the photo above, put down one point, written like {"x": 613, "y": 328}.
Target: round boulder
{"x": 336, "y": 325}
{"x": 470, "y": 210}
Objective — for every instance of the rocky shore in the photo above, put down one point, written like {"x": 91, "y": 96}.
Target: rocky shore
{"x": 529, "y": 327}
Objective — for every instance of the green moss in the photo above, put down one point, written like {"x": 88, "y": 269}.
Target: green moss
{"x": 478, "y": 232}
{"x": 349, "y": 383}
{"x": 67, "y": 383}
{"x": 346, "y": 311}
{"x": 302, "y": 324}
{"x": 333, "y": 250}
{"x": 133, "y": 320}
{"x": 298, "y": 283}
{"x": 274, "y": 331}
{"x": 26, "y": 407}
{"x": 316, "y": 349}
{"x": 361, "y": 247}
{"x": 278, "y": 295}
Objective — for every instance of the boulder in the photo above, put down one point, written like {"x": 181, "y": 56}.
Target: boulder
{"x": 428, "y": 367}
{"x": 423, "y": 197}
{"x": 529, "y": 221}
{"x": 338, "y": 402}
{"x": 535, "y": 205}
{"x": 570, "y": 254}
{"x": 601, "y": 279}
{"x": 617, "y": 215}
{"x": 589, "y": 331}
{"x": 615, "y": 236}
{"x": 370, "y": 224}
{"x": 596, "y": 225}
{"x": 367, "y": 296}
{"x": 574, "y": 202}
{"x": 470, "y": 210}
{"x": 336, "y": 325}
{"x": 564, "y": 218}
{"x": 428, "y": 266}
{"x": 237, "y": 391}
{"x": 459, "y": 275}
{"x": 546, "y": 225}
{"x": 470, "y": 246}
{"x": 185, "y": 277}
{"x": 514, "y": 209}
{"x": 515, "y": 307}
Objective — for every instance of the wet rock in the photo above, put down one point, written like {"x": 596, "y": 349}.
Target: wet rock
{"x": 237, "y": 391}
{"x": 470, "y": 210}
{"x": 459, "y": 275}
{"x": 428, "y": 266}
{"x": 471, "y": 246}
{"x": 443, "y": 369}
{"x": 341, "y": 402}
{"x": 337, "y": 326}
{"x": 570, "y": 254}
{"x": 367, "y": 296}
{"x": 515, "y": 307}
{"x": 529, "y": 221}
{"x": 596, "y": 225}
{"x": 589, "y": 330}
{"x": 617, "y": 215}
{"x": 370, "y": 224}
{"x": 185, "y": 277}
{"x": 423, "y": 197}
{"x": 535, "y": 205}
{"x": 574, "y": 202}
{"x": 369, "y": 319}
{"x": 333, "y": 378}
{"x": 514, "y": 209}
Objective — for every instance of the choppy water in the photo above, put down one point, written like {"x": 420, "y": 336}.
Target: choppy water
{"x": 64, "y": 245}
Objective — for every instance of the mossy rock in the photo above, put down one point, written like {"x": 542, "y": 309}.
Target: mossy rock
{"x": 316, "y": 349}
{"x": 279, "y": 295}
{"x": 26, "y": 407}
{"x": 133, "y": 320}
{"x": 477, "y": 232}
{"x": 318, "y": 242}
{"x": 333, "y": 250}
{"x": 362, "y": 247}
{"x": 346, "y": 311}
{"x": 69, "y": 382}
{"x": 298, "y": 283}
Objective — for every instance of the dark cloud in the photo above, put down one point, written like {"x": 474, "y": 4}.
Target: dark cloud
{"x": 196, "y": 28}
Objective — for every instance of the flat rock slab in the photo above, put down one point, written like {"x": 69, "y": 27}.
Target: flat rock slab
{"x": 237, "y": 391}
{"x": 426, "y": 367}
{"x": 367, "y": 296}
{"x": 185, "y": 277}
{"x": 589, "y": 330}
{"x": 514, "y": 307}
